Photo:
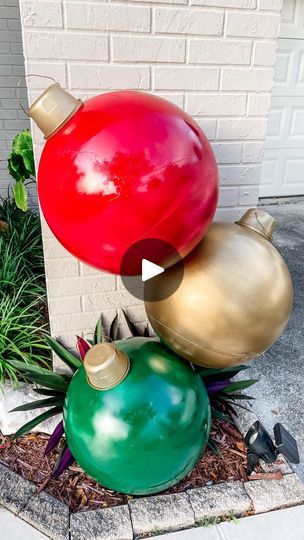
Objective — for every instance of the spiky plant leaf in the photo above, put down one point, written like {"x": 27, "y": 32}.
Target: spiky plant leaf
{"x": 66, "y": 356}
{"x": 82, "y": 346}
{"x": 214, "y": 447}
{"x": 54, "y": 438}
{"x": 47, "y": 381}
{"x": 48, "y": 392}
{"x": 33, "y": 423}
{"x": 236, "y": 396}
{"x": 147, "y": 331}
{"x": 219, "y": 415}
{"x": 98, "y": 332}
{"x": 40, "y": 404}
{"x": 114, "y": 328}
{"x": 64, "y": 461}
{"x": 236, "y": 404}
{"x": 216, "y": 386}
{"x": 34, "y": 369}
{"x": 132, "y": 327}
{"x": 239, "y": 385}
{"x": 227, "y": 372}
{"x": 231, "y": 409}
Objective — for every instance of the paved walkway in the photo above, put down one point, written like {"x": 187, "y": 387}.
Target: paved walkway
{"x": 280, "y": 392}
{"x": 280, "y": 525}
{"x": 14, "y": 528}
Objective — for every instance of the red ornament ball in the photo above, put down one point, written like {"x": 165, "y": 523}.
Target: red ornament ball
{"x": 125, "y": 167}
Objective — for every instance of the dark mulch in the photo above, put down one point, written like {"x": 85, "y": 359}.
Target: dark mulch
{"x": 26, "y": 457}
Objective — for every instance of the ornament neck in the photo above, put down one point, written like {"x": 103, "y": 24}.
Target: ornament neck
{"x": 106, "y": 366}
{"x": 53, "y": 109}
{"x": 258, "y": 221}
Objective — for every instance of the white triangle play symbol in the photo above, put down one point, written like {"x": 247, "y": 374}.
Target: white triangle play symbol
{"x": 150, "y": 270}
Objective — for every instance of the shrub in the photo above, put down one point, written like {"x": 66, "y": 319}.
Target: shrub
{"x": 21, "y": 240}
{"x": 21, "y": 331}
{"x": 23, "y": 321}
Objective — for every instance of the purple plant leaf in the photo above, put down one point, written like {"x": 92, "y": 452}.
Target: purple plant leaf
{"x": 213, "y": 387}
{"x": 54, "y": 438}
{"x": 82, "y": 346}
{"x": 65, "y": 460}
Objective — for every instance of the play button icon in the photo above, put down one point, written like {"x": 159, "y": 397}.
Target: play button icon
{"x": 149, "y": 270}
{"x": 145, "y": 264}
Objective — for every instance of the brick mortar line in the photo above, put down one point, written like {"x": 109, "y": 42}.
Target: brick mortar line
{"x": 144, "y": 35}
{"x": 183, "y": 7}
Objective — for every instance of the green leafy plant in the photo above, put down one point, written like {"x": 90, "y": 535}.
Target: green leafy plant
{"x": 224, "y": 394}
{"x": 21, "y": 166}
{"x": 22, "y": 230}
{"x": 208, "y": 521}
{"x": 222, "y": 391}
{"x": 232, "y": 517}
{"x": 55, "y": 386}
{"x": 23, "y": 321}
{"x": 21, "y": 332}
{"x": 14, "y": 271}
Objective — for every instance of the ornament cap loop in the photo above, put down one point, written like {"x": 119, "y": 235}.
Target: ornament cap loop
{"x": 53, "y": 109}
{"x": 106, "y": 366}
{"x": 258, "y": 221}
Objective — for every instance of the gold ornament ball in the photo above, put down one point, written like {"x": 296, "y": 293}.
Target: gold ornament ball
{"x": 235, "y": 298}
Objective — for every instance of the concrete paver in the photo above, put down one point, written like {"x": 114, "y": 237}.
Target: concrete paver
{"x": 48, "y": 514}
{"x": 102, "y": 524}
{"x": 219, "y": 500}
{"x": 269, "y": 495}
{"x": 279, "y": 525}
{"x": 163, "y": 513}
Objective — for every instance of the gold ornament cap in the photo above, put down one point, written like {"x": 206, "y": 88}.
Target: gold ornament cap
{"x": 52, "y": 109}
{"x": 259, "y": 221}
{"x": 105, "y": 366}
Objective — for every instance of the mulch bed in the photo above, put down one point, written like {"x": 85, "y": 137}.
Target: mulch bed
{"x": 26, "y": 457}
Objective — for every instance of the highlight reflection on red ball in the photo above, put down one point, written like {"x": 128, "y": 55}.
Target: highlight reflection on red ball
{"x": 125, "y": 167}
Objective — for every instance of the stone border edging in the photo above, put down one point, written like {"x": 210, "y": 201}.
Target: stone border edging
{"x": 147, "y": 516}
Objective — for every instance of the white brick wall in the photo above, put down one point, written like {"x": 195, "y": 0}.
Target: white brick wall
{"x": 212, "y": 57}
{"x": 12, "y": 119}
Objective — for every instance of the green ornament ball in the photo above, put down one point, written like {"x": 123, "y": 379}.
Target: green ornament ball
{"x": 147, "y": 432}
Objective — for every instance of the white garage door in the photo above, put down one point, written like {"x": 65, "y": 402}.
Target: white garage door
{"x": 283, "y": 167}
